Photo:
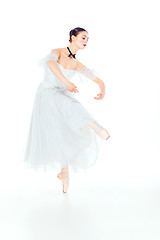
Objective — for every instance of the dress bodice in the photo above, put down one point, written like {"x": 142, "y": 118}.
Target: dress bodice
{"x": 50, "y": 79}
{"x": 53, "y": 81}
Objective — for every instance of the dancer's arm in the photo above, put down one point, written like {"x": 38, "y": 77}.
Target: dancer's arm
{"x": 56, "y": 70}
{"x": 54, "y": 67}
{"x": 90, "y": 74}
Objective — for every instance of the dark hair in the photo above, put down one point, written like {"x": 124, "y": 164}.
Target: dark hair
{"x": 75, "y": 32}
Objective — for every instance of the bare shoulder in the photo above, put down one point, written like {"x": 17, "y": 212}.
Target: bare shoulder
{"x": 56, "y": 51}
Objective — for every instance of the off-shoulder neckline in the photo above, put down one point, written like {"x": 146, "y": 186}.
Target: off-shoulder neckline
{"x": 66, "y": 68}
{"x": 78, "y": 69}
{"x": 61, "y": 65}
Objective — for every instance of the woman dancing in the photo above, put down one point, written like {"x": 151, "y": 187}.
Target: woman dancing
{"x": 62, "y": 132}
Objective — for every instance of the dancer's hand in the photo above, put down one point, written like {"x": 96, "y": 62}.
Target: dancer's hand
{"x": 101, "y": 95}
{"x": 102, "y": 90}
{"x": 71, "y": 87}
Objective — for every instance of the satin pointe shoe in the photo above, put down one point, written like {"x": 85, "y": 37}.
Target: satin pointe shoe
{"x": 102, "y": 132}
{"x": 64, "y": 177}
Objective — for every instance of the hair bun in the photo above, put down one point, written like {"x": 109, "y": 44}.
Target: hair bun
{"x": 75, "y": 32}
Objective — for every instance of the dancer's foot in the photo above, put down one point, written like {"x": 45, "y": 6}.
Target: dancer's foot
{"x": 64, "y": 177}
{"x": 102, "y": 132}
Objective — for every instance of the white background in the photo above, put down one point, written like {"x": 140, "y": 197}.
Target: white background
{"x": 124, "y": 48}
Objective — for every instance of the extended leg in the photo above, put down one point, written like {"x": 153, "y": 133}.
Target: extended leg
{"x": 102, "y": 132}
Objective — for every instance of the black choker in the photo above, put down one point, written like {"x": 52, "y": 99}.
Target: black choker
{"x": 71, "y": 54}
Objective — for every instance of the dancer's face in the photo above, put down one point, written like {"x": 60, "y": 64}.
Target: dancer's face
{"x": 81, "y": 39}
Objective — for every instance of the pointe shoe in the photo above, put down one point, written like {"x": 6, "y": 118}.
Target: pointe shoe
{"x": 64, "y": 176}
{"x": 102, "y": 132}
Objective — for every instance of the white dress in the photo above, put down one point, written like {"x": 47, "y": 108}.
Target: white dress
{"x": 58, "y": 133}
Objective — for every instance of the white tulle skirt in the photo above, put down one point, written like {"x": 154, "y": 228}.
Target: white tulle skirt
{"x": 59, "y": 134}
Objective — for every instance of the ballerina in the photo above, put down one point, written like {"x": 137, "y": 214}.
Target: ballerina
{"x": 62, "y": 132}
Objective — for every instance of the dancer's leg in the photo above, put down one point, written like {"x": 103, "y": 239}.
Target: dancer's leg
{"x": 102, "y": 132}
{"x": 64, "y": 169}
